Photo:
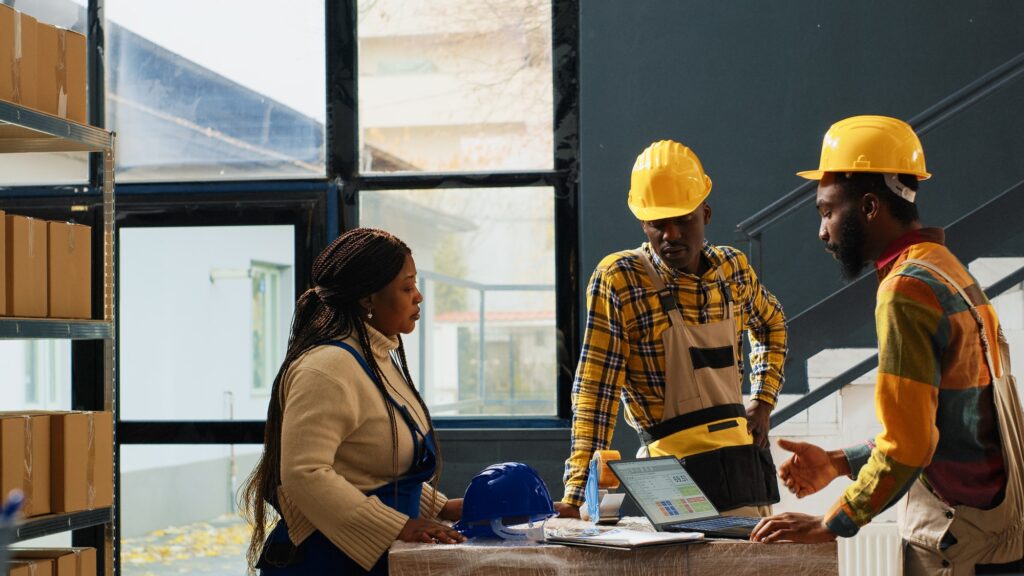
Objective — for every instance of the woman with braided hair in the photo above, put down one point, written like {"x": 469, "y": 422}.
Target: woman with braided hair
{"x": 350, "y": 462}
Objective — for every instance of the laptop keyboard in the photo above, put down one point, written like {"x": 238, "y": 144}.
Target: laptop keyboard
{"x": 719, "y": 523}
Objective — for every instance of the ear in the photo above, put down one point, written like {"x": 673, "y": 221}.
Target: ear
{"x": 871, "y": 206}
{"x": 365, "y": 303}
{"x": 707, "y": 214}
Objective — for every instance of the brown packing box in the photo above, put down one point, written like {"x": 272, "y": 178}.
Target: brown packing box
{"x": 82, "y": 460}
{"x": 32, "y": 567}
{"x": 12, "y": 454}
{"x": 3, "y": 261}
{"x": 35, "y": 465}
{"x": 26, "y": 267}
{"x": 18, "y": 59}
{"x": 66, "y": 561}
{"x": 52, "y": 74}
{"x": 7, "y": 15}
{"x": 74, "y": 59}
{"x": 69, "y": 270}
{"x": 61, "y": 72}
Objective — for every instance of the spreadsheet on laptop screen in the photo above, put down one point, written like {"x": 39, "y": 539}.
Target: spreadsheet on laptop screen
{"x": 664, "y": 490}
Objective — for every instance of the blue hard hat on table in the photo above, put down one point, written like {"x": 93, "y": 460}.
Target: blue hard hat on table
{"x": 504, "y": 494}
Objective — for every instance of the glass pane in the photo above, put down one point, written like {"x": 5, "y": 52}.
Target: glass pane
{"x": 56, "y": 168}
{"x": 455, "y": 85}
{"x": 231, "y": 89}
{"x": 486, "y": 342}
{"x": 204, "y": 317}
{"x": 195, "y": 526}
{"x": 35, "y": 374}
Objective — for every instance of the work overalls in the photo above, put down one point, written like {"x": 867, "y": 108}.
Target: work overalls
{"x": 944, "y": 540}
{"x": 317, "y": 556}
{"x": 704, "y": 422}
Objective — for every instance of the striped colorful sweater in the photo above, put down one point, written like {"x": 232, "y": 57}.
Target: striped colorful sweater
{"x": 933, "y": 393}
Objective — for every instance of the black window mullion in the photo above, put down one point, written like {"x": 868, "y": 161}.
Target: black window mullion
{"x": 342, "y": 134}
{"x": 190, "y": 432}
{"x": 565, "y": 67}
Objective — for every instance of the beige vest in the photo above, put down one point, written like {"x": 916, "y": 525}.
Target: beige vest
{"x": 983, "y": 536}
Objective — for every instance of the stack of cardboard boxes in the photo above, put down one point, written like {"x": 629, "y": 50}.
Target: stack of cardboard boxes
{"x": 42, "y": 66}
{"x": 45, "y": 268}
{"x": 62, "y": 461}
{"x": 53, "y": 562}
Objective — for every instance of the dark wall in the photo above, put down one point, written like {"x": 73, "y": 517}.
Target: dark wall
{"x": 752, "y": 87}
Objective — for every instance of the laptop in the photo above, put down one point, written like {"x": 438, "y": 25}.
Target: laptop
{"x": 673, "y": 502}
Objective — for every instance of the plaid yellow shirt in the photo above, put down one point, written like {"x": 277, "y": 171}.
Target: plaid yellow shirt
{"x": 623, "y": 354}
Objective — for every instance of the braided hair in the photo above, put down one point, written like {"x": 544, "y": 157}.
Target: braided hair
{"x": 357, "y": 264}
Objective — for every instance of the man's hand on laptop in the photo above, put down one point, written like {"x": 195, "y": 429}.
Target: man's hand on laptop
{"x": 810, "y": 468}
{"x": 567, "y": 510}
{"x": 792, "y": 527}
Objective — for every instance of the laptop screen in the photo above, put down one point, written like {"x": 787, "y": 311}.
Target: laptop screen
{"x": 663, "y": 490}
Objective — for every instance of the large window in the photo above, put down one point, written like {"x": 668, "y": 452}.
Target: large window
{"x": 204, "y": 314}
{"x": 225, "y": 90}
{"x": 486, "y": 263}
{"x": 455, "y": 85}
{"x": 194, "y": 527}
{"x": 456, "y": 99}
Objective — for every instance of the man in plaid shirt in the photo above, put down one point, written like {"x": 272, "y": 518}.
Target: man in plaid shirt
{"x": 623, "y": 357}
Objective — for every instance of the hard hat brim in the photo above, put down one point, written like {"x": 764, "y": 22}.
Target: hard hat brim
{"x": 652, "y": 213}
{"x": 817, "y": 174}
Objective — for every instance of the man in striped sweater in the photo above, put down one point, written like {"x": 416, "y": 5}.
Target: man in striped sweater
{"x": 941, "y": 449}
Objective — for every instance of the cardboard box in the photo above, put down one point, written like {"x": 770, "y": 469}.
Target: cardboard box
{"x": 34, "y": 567}
{"x": 34, "y": 466}
{"x": 12, "y": 454}
{"x": 26, "y": 267}
{"x": 7, "y": 16}
{"x": 18, "y": 58}
{"x": 78, "y": 70}
{"x": 52, "y": 74}
{"x": 66, "y": 561}
{"x": 82, "y": 460}
{"x": 69, "y": 270}
{"x": 61, "y": 72}
{"x": 3, "y": 260}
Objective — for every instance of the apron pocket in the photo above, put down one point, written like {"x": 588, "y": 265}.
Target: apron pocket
{"x": 735, "y": 476}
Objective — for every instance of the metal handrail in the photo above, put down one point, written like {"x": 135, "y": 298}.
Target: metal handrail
{"x": 922, "y": 123}
{"x": 864, "y": 366}
{"x": 482, "y": 289}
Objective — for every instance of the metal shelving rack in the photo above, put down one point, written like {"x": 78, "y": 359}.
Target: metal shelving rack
{"x": 24, "y": 130}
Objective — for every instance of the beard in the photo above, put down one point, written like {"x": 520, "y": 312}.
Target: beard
{"x": 850, "y": 249}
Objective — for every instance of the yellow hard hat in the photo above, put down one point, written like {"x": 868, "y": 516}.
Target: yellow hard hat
{"x": 667, "y": 181}
{"x": 870, "y": 144}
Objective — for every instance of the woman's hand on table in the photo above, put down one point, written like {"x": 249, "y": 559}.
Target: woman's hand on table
{"x": 430, "y": 532}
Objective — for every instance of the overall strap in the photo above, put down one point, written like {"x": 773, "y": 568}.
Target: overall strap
{"x": 394, "y": 403}
{"x": 974, "y": 310}
{"x": 668, "y": 300}
{"x": 665, "y": 296}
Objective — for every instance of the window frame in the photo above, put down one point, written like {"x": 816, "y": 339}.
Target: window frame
{"x": 343, "y": 167}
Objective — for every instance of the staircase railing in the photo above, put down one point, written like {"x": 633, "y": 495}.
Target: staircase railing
{"x": 866, "y": 365}
{"x": 753, "y": 227}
